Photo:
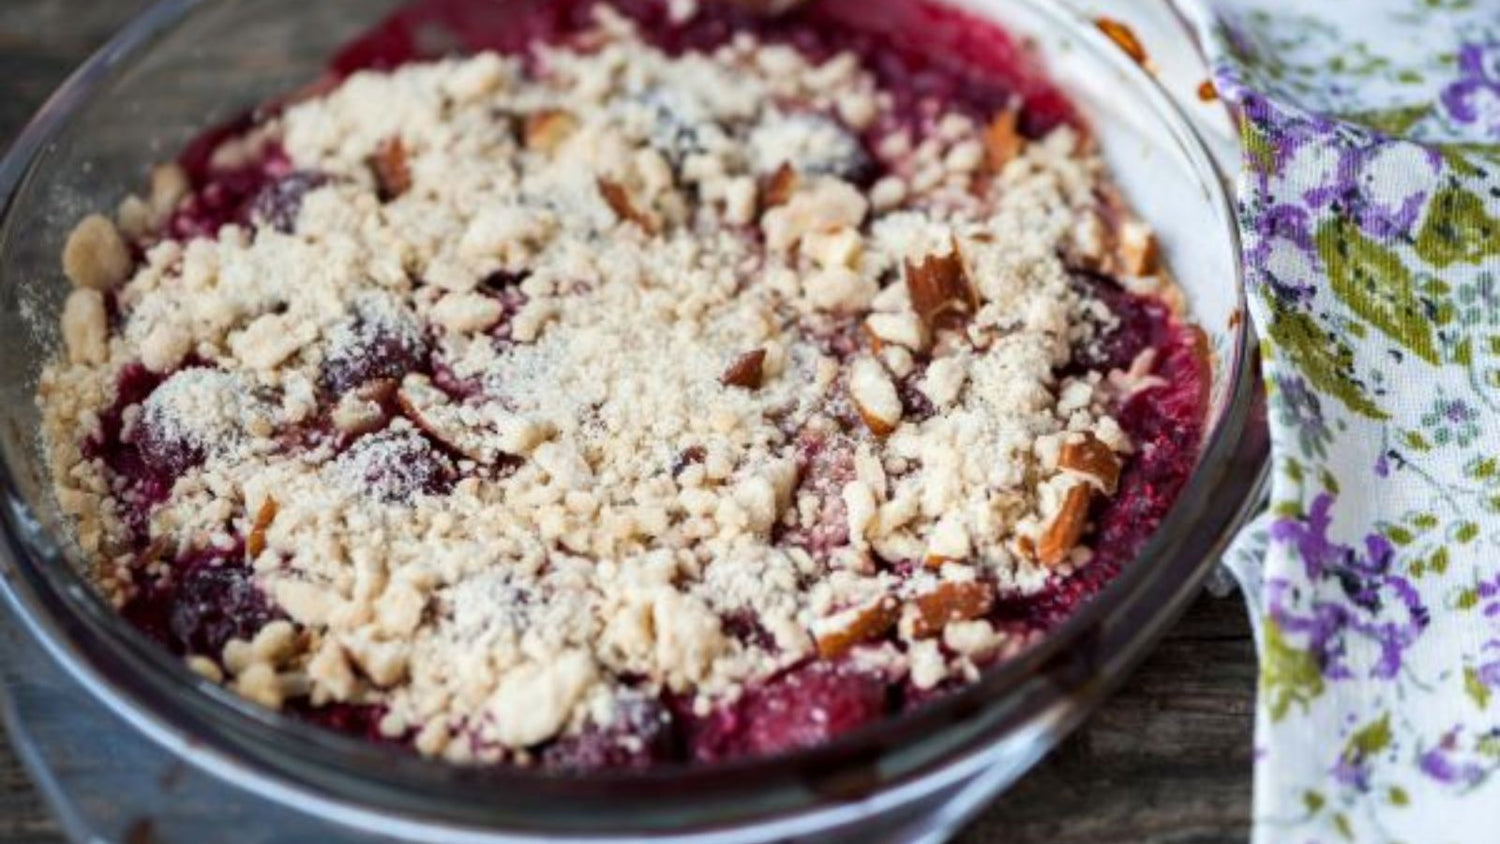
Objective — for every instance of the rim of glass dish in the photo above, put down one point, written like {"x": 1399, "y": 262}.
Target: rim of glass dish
{"x": 158, "y": 693}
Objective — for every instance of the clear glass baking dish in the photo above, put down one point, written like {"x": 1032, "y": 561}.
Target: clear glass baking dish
{"x": 188, "y": 64}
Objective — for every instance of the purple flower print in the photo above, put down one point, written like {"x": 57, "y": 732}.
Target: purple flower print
{"x": 1352, "y": 774}
{"x": 1280, "y": 252}
{"x": 1356, "y": 595}
{"x": 1441, "y": 764}
{"x": 1300, "y": 409}
{"x": 1474, "y": 98}
{"x": 1373, "y": 183}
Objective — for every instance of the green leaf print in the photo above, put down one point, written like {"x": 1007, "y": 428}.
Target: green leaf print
{"x": 1466, "y": 532}
{"x": 1396, "y": 120}
{"x": 1369, "y": 740}
{"x": 1457, "y": 229}
{"x": 1288, "y": 674}
{"x": 1414, "y": 440}
{"x": 1439, "y": 562}
{"x": 1476, "y": 690}
{"x": 1260, "y": 153}
{"x": 1341, "y": 824}
{"x": 1322, "y": 359}
{"x": 1468, "y": 599}
{"x": 1458, "y": 158}
{"x": 1376, "y": 286}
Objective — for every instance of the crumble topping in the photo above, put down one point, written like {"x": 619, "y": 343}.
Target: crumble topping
{"x": 538, "y": 386}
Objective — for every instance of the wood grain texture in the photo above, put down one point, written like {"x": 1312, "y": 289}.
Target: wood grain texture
{"x": 1166, "y": 760}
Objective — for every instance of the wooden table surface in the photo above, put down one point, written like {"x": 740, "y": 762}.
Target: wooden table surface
{"x": 1167, "y": 760}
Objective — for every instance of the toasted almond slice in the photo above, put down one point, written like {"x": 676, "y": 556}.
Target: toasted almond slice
{"x": 392, "y": 172}
{"x": 1002, "y": 140}
{"x": 952, "y": 600}
{"x": 618, "y": 200}
{"x": 836, "y": 634}
{"x": 874, "y": 396}
{"x": 255, "y": 543}
{"x": 746, "y": 370}
{"x": 1092, "y": 458}
{"x": 779, "y": 187}
{"x": 940, "y": 290}
{"x": 1138, "y": 251}
{"x": 431, "y": 410}
{"x": 1125, "y": 38}
{"x": 1061, "y": 537}
{"x": 546, "y": 130}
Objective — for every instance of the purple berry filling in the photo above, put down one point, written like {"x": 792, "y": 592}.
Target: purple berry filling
{"x": 924, "y": 54}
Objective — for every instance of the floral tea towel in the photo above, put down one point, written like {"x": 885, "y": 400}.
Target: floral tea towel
{"x": 1370, "y": 207}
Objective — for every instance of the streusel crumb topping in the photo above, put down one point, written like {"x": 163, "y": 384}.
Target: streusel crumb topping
{"x": 542, "y": 385}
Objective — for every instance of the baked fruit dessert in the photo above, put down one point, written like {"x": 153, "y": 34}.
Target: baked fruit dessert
{"x": 650, "y": 384}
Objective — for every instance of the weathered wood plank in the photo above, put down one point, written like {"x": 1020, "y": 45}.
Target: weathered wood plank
{"x": 1167, "y": 760}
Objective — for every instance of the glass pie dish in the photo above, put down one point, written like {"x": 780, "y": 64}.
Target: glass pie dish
{"x": 128, "y": 107}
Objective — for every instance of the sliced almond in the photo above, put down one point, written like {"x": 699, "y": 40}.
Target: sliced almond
{"x": 430, "y": 409}
{"x": 746, "y": 370}
{"x": 392, "y": 172}
{"x": 1092, "y": 458}
{"x": 618, "y": 200}
{"x": 255, "y": 543}
{"x": 1062, "y": 535}
{"x": 951, "y": 601}
{"x": 1002, "y": 140}
{"x": 874, "y": 396}
{"x": 836, "y": 634}
{"x": 779, "y": 187}
{"x": 546, "y": 130}
{"x": 940, "y": 291}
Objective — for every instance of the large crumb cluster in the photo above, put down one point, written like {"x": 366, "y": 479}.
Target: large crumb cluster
{"x": 686, "y": 370}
